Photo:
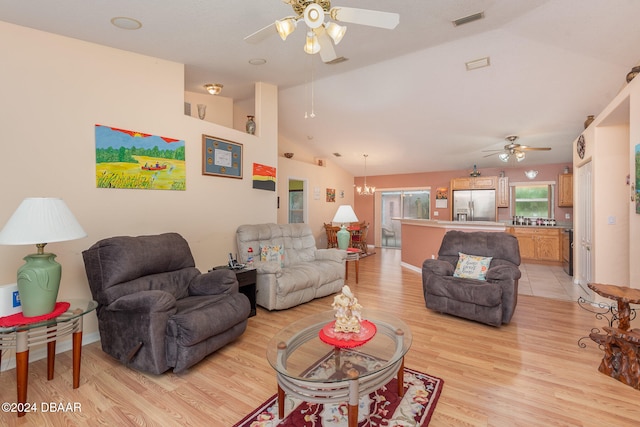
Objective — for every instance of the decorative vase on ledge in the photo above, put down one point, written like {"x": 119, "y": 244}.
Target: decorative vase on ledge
{"x": 634, "y": 72}
{"x": 251, "y": 125}
{"x": 588, "y": 121}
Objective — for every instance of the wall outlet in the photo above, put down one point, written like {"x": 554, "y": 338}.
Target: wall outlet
{"x": 436, "y": 213}
{"x": 567, "y": 216}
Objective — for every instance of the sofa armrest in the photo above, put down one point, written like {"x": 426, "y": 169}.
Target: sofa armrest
{"x": 437, "y": 267}
{"x": 503, "y": 272}
{"x": 215, "y": 282}
{"x": 331, "y": 254}
{"x": 268, "y": 267}
{"x": 154, "y": 301}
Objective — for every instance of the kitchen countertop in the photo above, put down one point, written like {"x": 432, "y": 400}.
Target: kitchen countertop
{"x": 561, "y": 226}
{"x": 476, "y": 224}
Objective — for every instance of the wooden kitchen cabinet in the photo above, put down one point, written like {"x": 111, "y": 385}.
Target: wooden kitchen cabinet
{"x": 474, "y": 183}
{"x": 565, "y": 190}
{"x": 502, "y": 195}
{"x": 539, "y": 243}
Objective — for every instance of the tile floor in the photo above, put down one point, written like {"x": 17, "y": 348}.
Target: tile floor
{"x": 550, "y": 282}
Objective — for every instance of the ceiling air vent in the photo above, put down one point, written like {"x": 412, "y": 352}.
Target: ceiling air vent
{"x": 467, "y": 19}
{"x": 337, "y": 154}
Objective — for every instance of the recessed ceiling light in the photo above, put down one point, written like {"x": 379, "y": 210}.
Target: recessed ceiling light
{"x": 478, "y": 63}
{"x": 257, "y": 61}
{"x": 125, "y": 23}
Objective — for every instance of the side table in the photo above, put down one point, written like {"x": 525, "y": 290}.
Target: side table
{"x": 353, "y": 254}
{"x": 621, "y": 345}
{"x": 25, "y": 336}
{"x": 247, "y": 281}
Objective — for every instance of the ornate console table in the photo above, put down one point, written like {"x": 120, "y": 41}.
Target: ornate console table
{"x": 621, "y": 344}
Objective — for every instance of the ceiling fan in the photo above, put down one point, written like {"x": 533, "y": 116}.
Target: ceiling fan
{"x": 320, "y": 34}
{"x": 514, "y": 150}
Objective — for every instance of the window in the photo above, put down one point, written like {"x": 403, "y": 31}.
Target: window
{"x": 533, "y": 200}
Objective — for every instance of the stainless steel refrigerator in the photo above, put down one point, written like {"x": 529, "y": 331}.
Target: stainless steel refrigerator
{"x": 474, "y": 205}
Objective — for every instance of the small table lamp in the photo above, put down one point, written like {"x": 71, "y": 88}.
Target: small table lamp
{"x": 344, "y": 215}
{"x": 40, "y": 221}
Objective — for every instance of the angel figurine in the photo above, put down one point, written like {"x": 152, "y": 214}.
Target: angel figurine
{"x": 348, "y": 311}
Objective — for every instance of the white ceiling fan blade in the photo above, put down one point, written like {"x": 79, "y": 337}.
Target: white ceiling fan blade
{"x": 327, "y": 52}
{"x": 372, "y": 18}
{"x": 262, "y": 34}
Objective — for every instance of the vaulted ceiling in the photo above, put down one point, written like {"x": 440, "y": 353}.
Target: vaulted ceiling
{"x": 403, "y": 96}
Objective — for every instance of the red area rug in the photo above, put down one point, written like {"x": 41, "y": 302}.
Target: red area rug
{"x": 383, "y": 407}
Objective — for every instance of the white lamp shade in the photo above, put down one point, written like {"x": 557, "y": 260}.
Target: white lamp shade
{"x": 345, "y": 214}
{"x": 312, "y": 45}
{"x": 335, "y": 31}
{"x": 41, "y": 220}
{"x": 285, "y": 26}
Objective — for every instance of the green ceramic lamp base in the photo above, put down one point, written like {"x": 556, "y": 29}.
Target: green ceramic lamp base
{"x": 38, "y": 284}
{"x": 343, "y": 238}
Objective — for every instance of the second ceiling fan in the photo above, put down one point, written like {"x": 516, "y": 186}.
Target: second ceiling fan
{"x": 321, "y": 34}
{"x": 514, "y": 150}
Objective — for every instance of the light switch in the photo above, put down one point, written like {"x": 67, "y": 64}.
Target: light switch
{"x": 611, "y": 220}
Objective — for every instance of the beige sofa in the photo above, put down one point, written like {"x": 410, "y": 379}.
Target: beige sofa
{"x": 296, "y": 271}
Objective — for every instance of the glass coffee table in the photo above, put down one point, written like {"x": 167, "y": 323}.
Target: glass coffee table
{"x": 312, "y": 370}
{"x": 24, "y": 336}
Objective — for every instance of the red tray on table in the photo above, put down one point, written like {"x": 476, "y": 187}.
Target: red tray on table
{"x": 347, "y": 339}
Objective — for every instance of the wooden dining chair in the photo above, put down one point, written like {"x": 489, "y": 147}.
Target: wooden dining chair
{"x": 359, "y": 237}
{"x": 332, "y": 235}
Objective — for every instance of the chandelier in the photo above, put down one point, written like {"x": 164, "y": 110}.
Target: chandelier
{"x": 366, "y": 190}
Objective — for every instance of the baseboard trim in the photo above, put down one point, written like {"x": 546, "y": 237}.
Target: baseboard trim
{"x": 39, "y": 353}
{"x": 411, "y": 267}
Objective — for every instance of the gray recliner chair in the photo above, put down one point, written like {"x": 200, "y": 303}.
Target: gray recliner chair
{"x": 156, "y": 311}
{"x": 491, "y": 301}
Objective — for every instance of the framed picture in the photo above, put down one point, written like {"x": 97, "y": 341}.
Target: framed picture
{"x": 331, "y": 194}
{"x": 221, "y": 157}
{"x": 264, "y": 177}
{"x": 136, "y": 160}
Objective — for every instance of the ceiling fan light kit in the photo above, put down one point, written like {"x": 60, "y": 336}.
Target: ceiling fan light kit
{"x": 320, "y": 34}
{"x": 514, "y": 150}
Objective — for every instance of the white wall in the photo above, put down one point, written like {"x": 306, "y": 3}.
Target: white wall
{"x": 54, "y": 91}
{"x": 219, "y": 108}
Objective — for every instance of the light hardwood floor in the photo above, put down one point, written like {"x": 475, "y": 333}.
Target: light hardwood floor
{"x": 528, "y": 373}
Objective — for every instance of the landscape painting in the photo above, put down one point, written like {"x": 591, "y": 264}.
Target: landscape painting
{"x": 136, "y": 160}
